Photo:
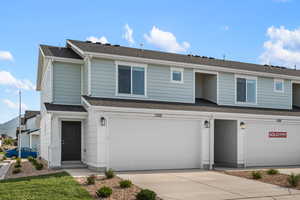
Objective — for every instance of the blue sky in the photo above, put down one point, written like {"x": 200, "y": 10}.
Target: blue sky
{"x": 257, "y": 31}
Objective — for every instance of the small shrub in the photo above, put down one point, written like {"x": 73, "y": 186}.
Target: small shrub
{"x": 104, "y": 192}
{"x": 256, "y": 175}
{"x": 17, "y": 165}
{"x": 109, "y": 174}
{"x": 8, "y": 141}
{"x": 34, "y": 161}
{"x": 272, "y": 171}
{"x": 39, "y": 166}
{"x": 18, "y": 160}
{"x": 293, "y": 180}
{"x": 146, "y": 195}
{"x": 125, "y": 184}
{"x": 16, "y": 171}
{"x": 90, "y": 180}
{"x": 30, "y": 158}
{"x": 4, "y": 158}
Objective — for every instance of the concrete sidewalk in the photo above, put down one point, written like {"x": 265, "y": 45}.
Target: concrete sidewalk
{"x": 208, "y": 185}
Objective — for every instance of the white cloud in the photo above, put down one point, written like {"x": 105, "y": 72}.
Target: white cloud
{"x": 6, "y": 78}
{"x": 14, "y": 105}
{"x": 6, "y": 55}
{"x": 282, "y": 48}
{"x": 94, "y": 39}
{"x": 128, "y": 35}
{"x": 165, "y": 40}
{"x": 225, "y": 28}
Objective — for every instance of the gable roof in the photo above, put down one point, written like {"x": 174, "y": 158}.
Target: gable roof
{"x": 159, "y": 55}
{"x": 62, "y": 52}
{"x": 200, "y": 105}
{"x": 31, "y": 113}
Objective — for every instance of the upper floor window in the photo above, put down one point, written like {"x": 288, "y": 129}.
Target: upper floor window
{"x": 131, "y": 79}
{"x": 177, "y": 75}
{"x": 278, "y": 85}
{"x": 246, "y": 90}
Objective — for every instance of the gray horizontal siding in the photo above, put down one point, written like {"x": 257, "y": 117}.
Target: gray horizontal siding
{"x": 66, "y": 83}
{"x": 266, "y": 97}
{"x": 159, "y": 86}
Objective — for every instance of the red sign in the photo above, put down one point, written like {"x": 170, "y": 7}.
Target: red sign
{"x": 275, "y": 134}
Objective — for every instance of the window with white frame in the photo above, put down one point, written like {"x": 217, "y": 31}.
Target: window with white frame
{"x": 278, "y": 85}
{"x": 131, "y": 79}
{"x": 245, "y": 90}
{"x": 177, "y": 75}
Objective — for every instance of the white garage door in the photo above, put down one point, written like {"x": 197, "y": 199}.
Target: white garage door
{"x": 146, "y": 144}
{"x": 263, "y": 149}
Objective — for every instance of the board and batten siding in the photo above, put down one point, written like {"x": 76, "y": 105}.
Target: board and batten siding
{"x": 266, "y": 97}
{"x": 159, "y": 86}
{"x": 66, "y": 83}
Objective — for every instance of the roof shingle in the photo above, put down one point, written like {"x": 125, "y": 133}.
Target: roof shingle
{"x": 150, "y": 54}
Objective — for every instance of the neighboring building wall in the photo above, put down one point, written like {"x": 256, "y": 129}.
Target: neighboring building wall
{"x": 225, "y": 143}
{"x": 266, "y": 97}
{"x": 35, "y": 142}
{"x": 66, "y": 83}
{"x": 25, "y": 140}
{"x": 159, "y": 86}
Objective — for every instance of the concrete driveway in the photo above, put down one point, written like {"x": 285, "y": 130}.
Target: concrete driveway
{"x": 207, "y": 185}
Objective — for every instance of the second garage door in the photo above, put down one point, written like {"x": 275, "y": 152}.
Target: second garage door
{"x": 263, "y": 149}
{"x": 147, "y": 144}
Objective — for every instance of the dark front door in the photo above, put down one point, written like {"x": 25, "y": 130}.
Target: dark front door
{"x": 71, "y": 141}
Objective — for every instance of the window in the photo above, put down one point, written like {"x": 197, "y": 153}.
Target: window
{"x": 278, "y": 85}
{"x": 245, "y": 90}
{"x": 177, "y": 75}
{"x": 131, "y": 80}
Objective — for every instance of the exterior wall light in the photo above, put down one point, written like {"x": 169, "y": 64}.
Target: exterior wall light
{"x": 242, "y": 125}
{"x": 206, "y": 124}
{"x": 103, "y": 121}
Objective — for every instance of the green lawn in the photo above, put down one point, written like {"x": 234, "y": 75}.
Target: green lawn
{"x": 60, "y": 186}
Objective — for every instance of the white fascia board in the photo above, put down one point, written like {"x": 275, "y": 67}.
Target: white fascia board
{"x": 216, "y": 115}
{"x": 69, "y": 114}
{"x": 68, "y": 60}
{"x": 188, "y": 65}
{"x": 76, "y": 49}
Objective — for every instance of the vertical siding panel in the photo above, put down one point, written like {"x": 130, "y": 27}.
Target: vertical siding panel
{"x": 159, "y": 86}
{"x": 266, "y": 97}
{"x": 66, "y": 83}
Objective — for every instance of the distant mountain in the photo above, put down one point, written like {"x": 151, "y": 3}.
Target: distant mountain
{"x": 9, "y": 127}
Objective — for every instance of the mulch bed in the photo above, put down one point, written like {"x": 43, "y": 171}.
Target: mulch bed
{"x": 276, "y": 179}
{"x": 118, "y": 192}
{"x": 28, "y": 169}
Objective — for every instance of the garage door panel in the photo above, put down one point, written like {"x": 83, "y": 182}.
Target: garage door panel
{"x": 264, "y": 151}
{"x": 142, "y": 144}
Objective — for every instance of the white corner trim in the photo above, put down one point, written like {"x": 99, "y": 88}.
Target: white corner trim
{"x": 89, "y": 76}
{"x": 274, "y": 85}
{"x": 176, "y": 69}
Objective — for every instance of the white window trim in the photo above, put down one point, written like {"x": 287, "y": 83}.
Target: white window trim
{"x": 131, "y": 65}
{"x": 235, "y": 88}
{"x": 178, "y": 70}
{"x": 274, "y": 85}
